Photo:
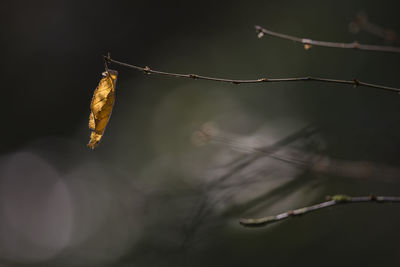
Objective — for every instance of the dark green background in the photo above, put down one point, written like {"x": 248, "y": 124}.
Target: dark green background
{"x": 147, "y": 196}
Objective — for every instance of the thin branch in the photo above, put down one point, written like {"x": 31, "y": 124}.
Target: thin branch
{"x": 354, "y": 82}
{"x": 308, "y": 42}
{"x": 331, "y": 201}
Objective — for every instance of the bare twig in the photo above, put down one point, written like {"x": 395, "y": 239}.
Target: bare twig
{"x": 354, "y": 82}
{"x": 331, "y": 201}
{"x": 308, "y": 42}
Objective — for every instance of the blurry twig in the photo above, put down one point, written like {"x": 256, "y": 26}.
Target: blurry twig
{"x": 354, "y": 82}
{"x": 308, "y": 42}
{"x": 361, "y": 22}
{"x": 313, "y": 161}
{"x": 331, "y": 201}
{"x": 203, "y": 135}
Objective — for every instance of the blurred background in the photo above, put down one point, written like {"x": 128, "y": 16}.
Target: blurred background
{"x": 182, "y": 160}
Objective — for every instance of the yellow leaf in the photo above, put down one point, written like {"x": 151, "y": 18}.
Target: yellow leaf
{"x": 101, "y": 106}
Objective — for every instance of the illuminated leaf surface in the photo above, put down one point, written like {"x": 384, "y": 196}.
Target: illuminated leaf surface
{"x": 101, "y": 106}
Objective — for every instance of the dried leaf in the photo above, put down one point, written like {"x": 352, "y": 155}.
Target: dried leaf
{"x": 101, "y": 106}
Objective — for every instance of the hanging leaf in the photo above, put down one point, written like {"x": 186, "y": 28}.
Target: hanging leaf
{"x": 101, "y": 106}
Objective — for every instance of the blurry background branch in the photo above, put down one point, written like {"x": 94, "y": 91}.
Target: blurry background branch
{"x": 362, "y": 23}
{"x": 315, "y": 161}
{"x": 331, "y": 201}
{"x": 354, "y": 82}
{"x": 309, "y": 42}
